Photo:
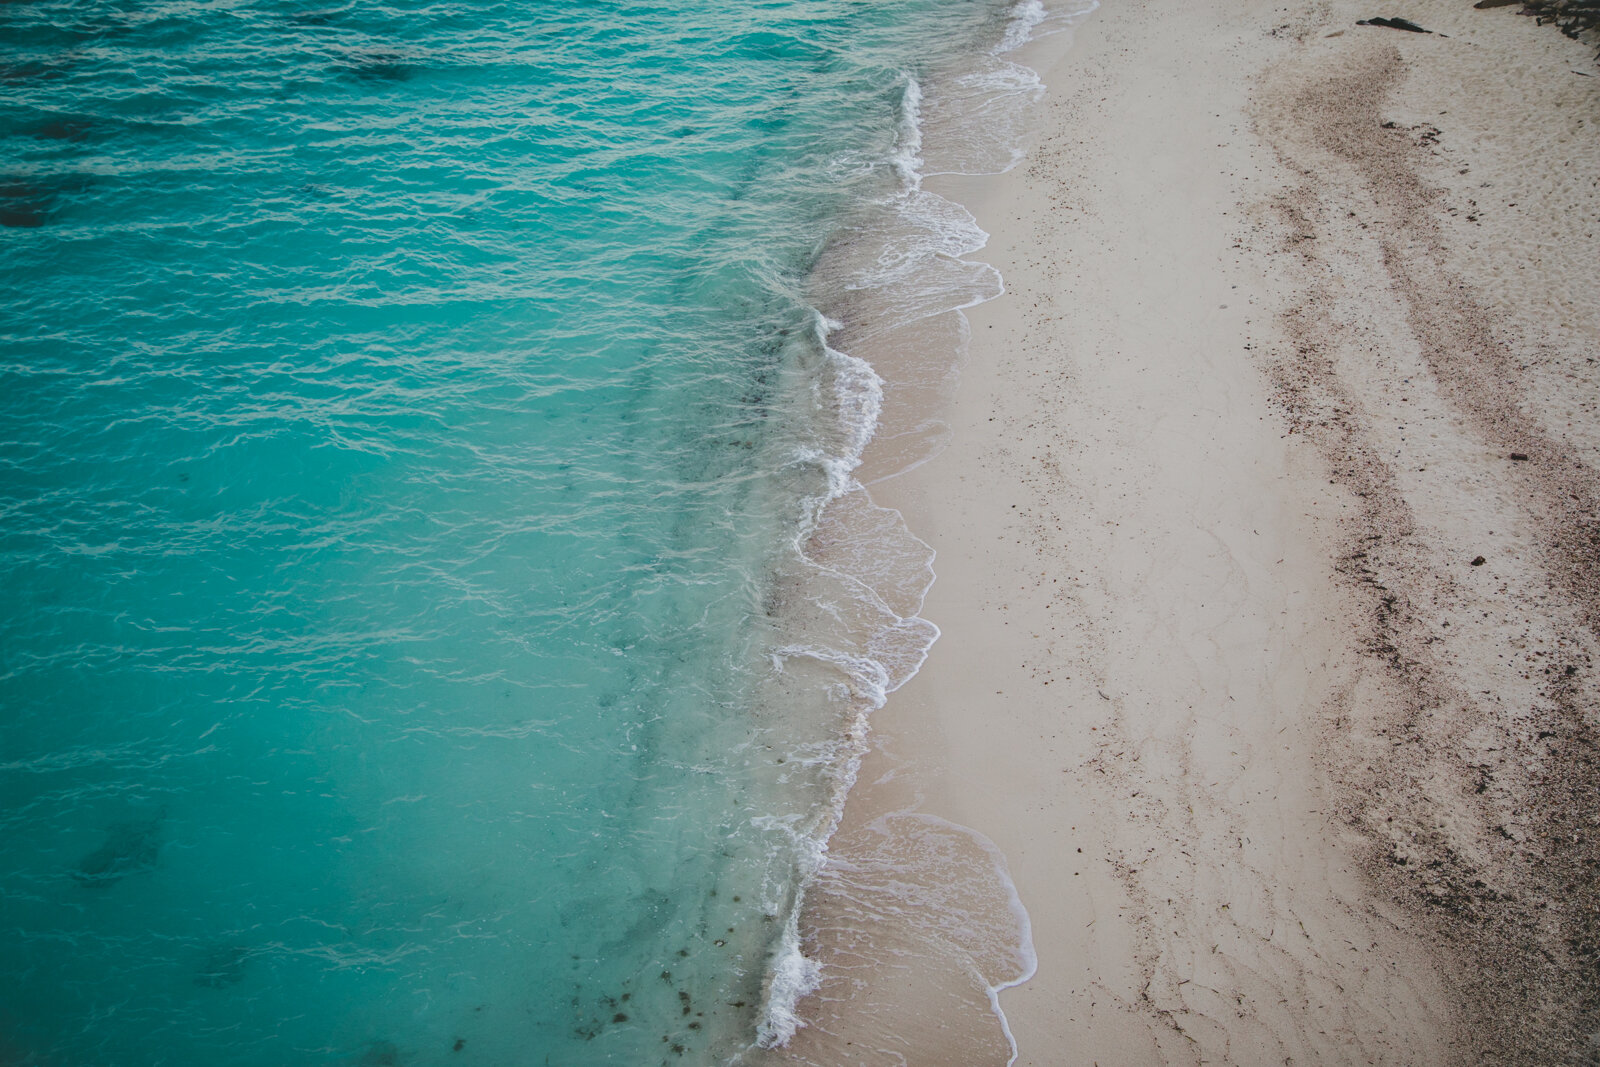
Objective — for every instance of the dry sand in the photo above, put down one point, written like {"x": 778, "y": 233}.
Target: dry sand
{"x": 1282, "y": 771}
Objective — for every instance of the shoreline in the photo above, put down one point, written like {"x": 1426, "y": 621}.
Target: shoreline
{"x": 892, "y": 289}
{"x": 1277, "y": 771}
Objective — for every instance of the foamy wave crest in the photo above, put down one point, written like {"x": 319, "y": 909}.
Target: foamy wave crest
{"x": 1032, "y": 20}
{"x": 974, "y": 121}
{"x": 857, "y": 398}
{"x": 976, "y": 118}
{"x": 873, "y": 651}
{"x": 907, "y": 158}
{"x": 858, "y": 583}
{"x": 791, "y": 975}
{"x": 850, "y": 392}
{"x": 1019, "y": 30}
{"x": 792, "y": 978}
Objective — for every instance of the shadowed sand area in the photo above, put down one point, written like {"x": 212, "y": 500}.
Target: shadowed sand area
{"x": 1268, "y": 540}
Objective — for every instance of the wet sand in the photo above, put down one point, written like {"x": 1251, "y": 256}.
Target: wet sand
{"x": 1268, "y": 565}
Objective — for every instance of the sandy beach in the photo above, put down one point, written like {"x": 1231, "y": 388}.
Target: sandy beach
{"x": 1267, "y": 567}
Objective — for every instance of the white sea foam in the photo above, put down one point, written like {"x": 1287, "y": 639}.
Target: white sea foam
{"x": 1024, "y": 17}
{"x": 792, "y": 978}
{"x": 907, "y": 157}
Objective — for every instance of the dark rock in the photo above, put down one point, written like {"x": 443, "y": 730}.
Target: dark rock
{"x": 1478, "y": 561}
{"x": 1394, "y": 24}
{"x": 1520, "y": 457}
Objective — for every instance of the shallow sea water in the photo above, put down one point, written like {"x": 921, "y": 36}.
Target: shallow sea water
{"x": 413, "y": 422}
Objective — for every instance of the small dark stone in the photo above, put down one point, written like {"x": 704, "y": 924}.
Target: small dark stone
{"x": 620, "y": 1017}
{"x": 1478, "y": 561}
{"x": 1519, "y": 457}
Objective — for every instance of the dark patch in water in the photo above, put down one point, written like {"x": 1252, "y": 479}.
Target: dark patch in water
{"x": 379, "y": 67}
{"x": 62, "y": 128}
{"x": 28, "y": 70}
{"x": 129, "y": 848}
{"x": 23, "y": 206}
{"x": 315, "y": 18}
{"x": 222, "y": 967}
{"x": 381, "y": 1054}
{"x": 26, "y": 202}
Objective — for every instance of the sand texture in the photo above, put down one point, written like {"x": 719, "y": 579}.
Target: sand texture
{"x": 1268, "y": 540}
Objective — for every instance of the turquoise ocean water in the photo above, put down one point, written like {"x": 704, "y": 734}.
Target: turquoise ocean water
{"x": 413, "y": 418}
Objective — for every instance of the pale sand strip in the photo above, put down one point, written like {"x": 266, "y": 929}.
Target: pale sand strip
{"x": 1280, "y": 775}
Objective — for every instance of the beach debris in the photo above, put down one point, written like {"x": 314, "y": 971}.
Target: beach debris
{"x": 1484, "y": 5}
{"x": 1394, "y": 24}
{"x": 1478, "y": 561}
{"x": 1519, "y": 457}
{"x": 1572, "y": 17}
